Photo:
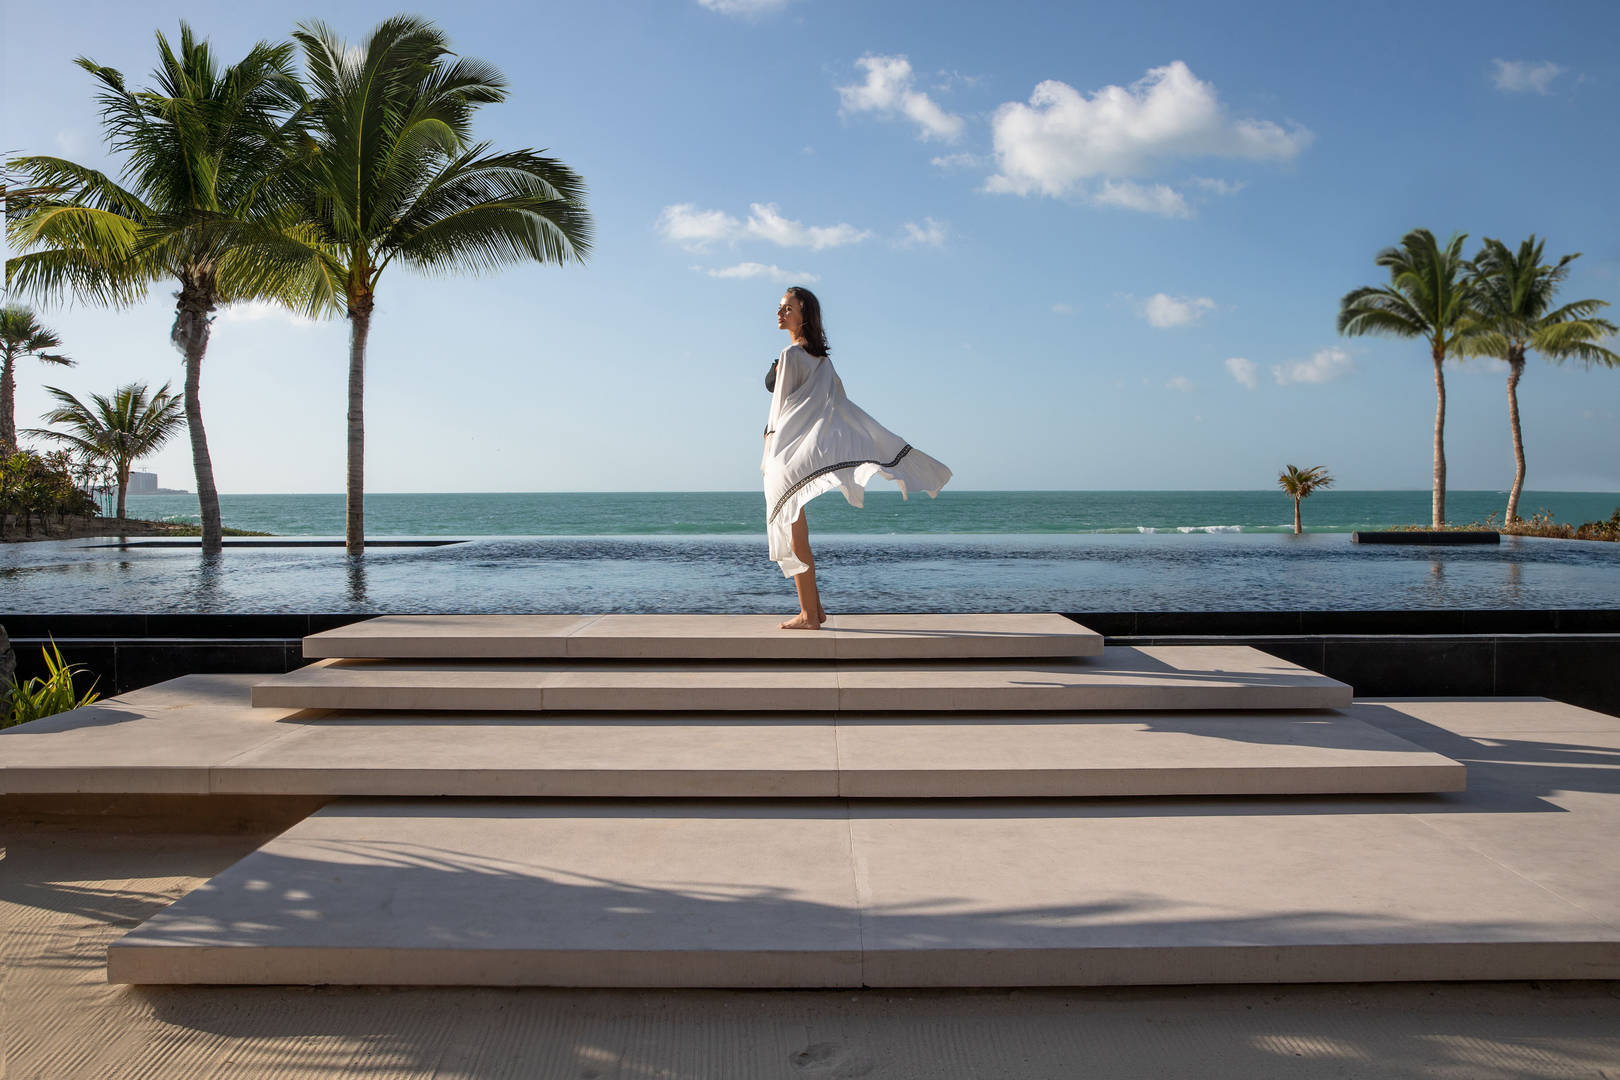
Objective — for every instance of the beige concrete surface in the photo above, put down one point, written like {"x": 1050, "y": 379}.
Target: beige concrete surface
{"x": 66, "y": 892}
{"x": 1158, "y": 677}
{"x": 1102, "y": 754}
{"x": 1163, "y": 677}
{"x": 164, "y": 738}
{"x": 449, "y": 637}
{"x": 498, "y": 755}
{"x": 1511, "y": 879}
{"x": 486, "y": 637}
{"x": 452, "y": 892}
{"x": 207, "y": 740}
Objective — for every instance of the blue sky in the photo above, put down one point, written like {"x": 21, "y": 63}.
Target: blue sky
{"x": 1058, "y": 245}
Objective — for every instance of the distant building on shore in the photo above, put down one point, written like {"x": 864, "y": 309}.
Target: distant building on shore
{"x": 146, "y": 483}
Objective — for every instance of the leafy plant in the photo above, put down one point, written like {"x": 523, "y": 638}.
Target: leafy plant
{"x": 48, "y": 695}
{"x": 1299, "y": 483}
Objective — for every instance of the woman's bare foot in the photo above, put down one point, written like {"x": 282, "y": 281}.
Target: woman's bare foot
{"x": 801, "y": 621}
{"x": 821, "y": 616}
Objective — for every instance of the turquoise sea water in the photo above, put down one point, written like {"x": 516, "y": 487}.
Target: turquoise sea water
{"x": 953, "y": 513}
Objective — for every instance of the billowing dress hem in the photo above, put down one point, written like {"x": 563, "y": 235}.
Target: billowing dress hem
{"x": 914, "y": 471}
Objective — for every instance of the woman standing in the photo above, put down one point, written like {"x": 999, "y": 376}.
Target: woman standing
{"x": 817, "y": 440}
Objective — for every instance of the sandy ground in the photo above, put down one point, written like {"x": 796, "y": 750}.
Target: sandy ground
{"x": 68, "y": 888}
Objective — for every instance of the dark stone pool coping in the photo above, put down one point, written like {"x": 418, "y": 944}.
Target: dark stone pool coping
{"x": 1570, "y": 655}
{"x": 1440, "y": 537}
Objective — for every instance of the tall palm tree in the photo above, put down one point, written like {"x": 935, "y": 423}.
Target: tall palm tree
{"x": 1429, "y": 296}
{"x": 119, "y": 430}
{"x": 207, "y": 171}
{"x": 1515, "y": 298}
{"x": 395, "y": 178}
{"x": 20, "y": 335}
{"x": 1300, "y": 483}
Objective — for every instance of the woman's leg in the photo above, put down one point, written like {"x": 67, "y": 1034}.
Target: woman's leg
{"x": 810, "y": 616}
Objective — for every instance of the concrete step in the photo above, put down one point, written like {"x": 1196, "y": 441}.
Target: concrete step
{"x": 200, "y": 736}
{"x": 704, "y": 637}
{"x": 1161, "y": 678}
{"x": 831, "y": 893}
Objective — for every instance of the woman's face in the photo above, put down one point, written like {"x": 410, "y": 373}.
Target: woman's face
{"x": 789, "y": 316}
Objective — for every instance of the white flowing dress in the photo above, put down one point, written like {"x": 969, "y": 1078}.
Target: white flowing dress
{"x": 817, "y": 440}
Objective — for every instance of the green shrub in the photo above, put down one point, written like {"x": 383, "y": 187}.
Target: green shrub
{"x": 49, "y": 695}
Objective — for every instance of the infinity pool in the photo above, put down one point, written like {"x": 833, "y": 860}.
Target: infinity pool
{"x": 1199, "y": 572}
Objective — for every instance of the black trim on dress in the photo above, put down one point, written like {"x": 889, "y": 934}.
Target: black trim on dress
{"x": 788, "y": 494}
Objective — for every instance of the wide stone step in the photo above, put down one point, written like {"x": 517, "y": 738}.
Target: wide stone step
{"x": 710, "y": 637}
{"x": 831, "y": 893}
{"x": 1121, "y": 678}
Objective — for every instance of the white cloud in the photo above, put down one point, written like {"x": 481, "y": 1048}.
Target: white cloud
{"x": 889, "y": 91}
{"x": 956, "y": 161}
{"x": 1062, "y": 138}
{"x": 766, "y": 222}
{"x": 69, "y": 143}
{"x": 744, "y": 7}
{"x": 1063, "y": 309}
{"x": 695, "y": 229}
{"x": 1163, "y": 310}
{"x": 930, "y": 233}
{"x": 1180, "y": 383}
{"x": 761, "y": 270}
{"x": 1526, "y": 76}
{"x": 1244, "y": 371}
{"x": 1149, "y": 198}
{"x": 1217, "y": 186}
{"x": 1325, "y": 365}
{"x": 252, "y": 311}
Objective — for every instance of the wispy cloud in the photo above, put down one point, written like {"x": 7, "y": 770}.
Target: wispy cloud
{"x": 771, "y": 272}
{"x": 1164, "y": 311}
{"x": 1181, "y": 384}
{"x": 1526, "y": 76}
{"x": 766, "y": 222}
{"x": 1063, "y": 140}
{"x": 254, "y": 311}
{"x": 930, "y": 233}
{"x": 953, "y": 162}
{"x": 1216, "y": 186}
{"x": 1244, "y": 371}
{"x": 889, "y": 90}
{"x": 695, "y": 229}
{"x": 1063, "y": 309}
{"x": 1325, "y": 365}
{"x": 744, "y": 7}
{"x": 1150, "y": 198}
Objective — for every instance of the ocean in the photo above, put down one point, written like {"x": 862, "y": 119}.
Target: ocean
{"x": 734, "y": 513}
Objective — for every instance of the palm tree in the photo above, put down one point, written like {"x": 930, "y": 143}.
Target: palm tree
{"x": 208, "y": 161}
{"x": 1429, "y": 296}
{"x": 1515, "y": 298}
{"x": 1300, "y": 483}
{"x": 20, "y": 335}
{"x": 394, "y": 177}
{"x": 119, "y": 430}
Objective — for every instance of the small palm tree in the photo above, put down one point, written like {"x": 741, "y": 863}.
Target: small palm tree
{"x": 1300, "y": 483}
{"x": 1515, "y": 293}
{"x": 119, "y": 430}
{"x": 1429, "y": 296}
{"x": 20, "y": 335}
{"x": 394, "y": 178}
{"x": 208, "y": 156}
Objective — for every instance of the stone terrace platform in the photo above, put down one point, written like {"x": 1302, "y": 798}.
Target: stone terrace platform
{"x": 931, "y": 818}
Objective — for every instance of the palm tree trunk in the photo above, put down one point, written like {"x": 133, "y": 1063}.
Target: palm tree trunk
{"x": 123, "y": 487}
{"x": 354, "y": 527}
{"x": 1439, "y": 508}
{"x": 8, "y": 407}
{"x": 1515, "y": 370}
{"x": 191, "y": 327}
{"x": 1297, "y": 529}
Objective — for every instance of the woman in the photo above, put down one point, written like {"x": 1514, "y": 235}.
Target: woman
{"x": 817, "y": 440}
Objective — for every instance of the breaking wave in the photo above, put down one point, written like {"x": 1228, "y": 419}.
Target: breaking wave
{"x": 1191, "y": 529}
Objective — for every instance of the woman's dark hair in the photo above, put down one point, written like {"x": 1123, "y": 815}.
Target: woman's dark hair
{"x": 814, "y": 335}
